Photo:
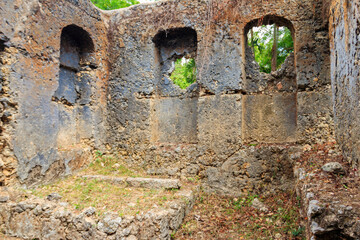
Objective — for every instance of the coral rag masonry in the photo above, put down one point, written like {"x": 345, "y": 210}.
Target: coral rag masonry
{"x": 75, "y": 79}
{"x": 345, "y": 73}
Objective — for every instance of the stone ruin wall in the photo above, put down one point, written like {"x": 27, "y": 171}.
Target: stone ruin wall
{"x": 120, "y": 100}
{"x": 345, "y": 73}
{"x": 41, "y": 138}
{"x": 206, "y": 130}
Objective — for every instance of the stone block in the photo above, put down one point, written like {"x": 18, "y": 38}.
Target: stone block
{"x": 219, "y": 122}
{"x": 66, "y": 90}
{"x": 175, "y": 120}
{"x": 270, "y": 118}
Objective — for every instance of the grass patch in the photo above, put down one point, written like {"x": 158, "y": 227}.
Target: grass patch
{"x": 81, "y": 193}
{"x": 110, "y": 165}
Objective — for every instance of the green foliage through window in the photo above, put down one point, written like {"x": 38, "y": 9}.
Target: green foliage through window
{"x": 261, "y": 40}
{"x": 185, "y": 72}
{"x": 113, "y": 4}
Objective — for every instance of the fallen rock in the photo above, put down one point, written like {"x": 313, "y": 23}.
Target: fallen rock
{"x": 333, "y": 167}
{"x": 109, "y": 224}
{"x": 89, "y": 211}
{"x": 54, "y": 197}
{"x": 307, "y": 148}
{"x": 116, "y": 165}
{"x": 314, "y": 208}
{"x": 259, "y": 205}
{"x": 4, "y": 197}
{"x": 153, "y": 183}
{"x": 315, "y": 228}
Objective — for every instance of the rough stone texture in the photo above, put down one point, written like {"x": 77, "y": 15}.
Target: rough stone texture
{"x": 74, "y": 79}
{"x": 183, "y": 133}
{"x": 333, "y": 167}
{"x": 345, "y": 73}
{"x": 325, "y": 213}
{"x": 79, "y": 79}
{"x": 37, "y": 132}
{"x": 220, "y": 114}
{"x": 42, "y": 219}
{"x": 315, "y": 126}
{"x": 8, "y": 108}
{"x": 175, "y": 120}
{"x": 269, "y": 118}
{"x": 260, "y": 169}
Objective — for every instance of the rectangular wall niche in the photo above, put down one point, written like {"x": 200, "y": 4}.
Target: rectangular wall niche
{"x": 176, "y": 120}
{"x": 174, "y": 45}
{"x": 174, "y": 115}
{"x": 74, "y": 82}
{"x": 269, "y": 118}
{"x": 74, "y": 89}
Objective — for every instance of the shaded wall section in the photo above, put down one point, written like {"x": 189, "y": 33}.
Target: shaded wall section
{"x": 345, "y": 73}
{"x": 64, "y": 100}
{"x": 48, "y": 138}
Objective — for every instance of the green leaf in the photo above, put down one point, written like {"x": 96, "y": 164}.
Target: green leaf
{"x": 113, "y": 4}
{"x": 263, "y": 42}
{"x": 185, "y": 72}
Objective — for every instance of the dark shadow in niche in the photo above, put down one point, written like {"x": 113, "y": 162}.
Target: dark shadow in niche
{"x": 2, "y": 49}
{"x": 3, "y": 40}
{"x": 174, "y": 44}
{"x": 281, "y": 80}
{"x": 2, "y": 45}
{"x": 76, "y": 60}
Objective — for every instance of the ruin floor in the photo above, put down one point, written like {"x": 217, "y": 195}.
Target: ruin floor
{"x": 107, "y": 200}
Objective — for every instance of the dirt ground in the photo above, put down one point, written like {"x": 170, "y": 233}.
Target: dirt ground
{"x": 216, "y": 217}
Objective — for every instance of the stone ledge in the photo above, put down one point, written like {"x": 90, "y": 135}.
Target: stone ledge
{"x": 326, "y": 213}
{"x": 151, "y": 183}
{"x": 44, "y": 219}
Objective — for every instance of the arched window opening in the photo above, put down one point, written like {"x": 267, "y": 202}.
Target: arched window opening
{"x": 177, "y": 48}
{"x": 271, "y": 41}
{"x": 76, "y": 48}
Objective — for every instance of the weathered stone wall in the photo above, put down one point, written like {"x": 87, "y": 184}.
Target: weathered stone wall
{"x": 345, "y": 73}
{"x": 77, "y": 78}
{"x": 36, "y": 218}
{"x": 8, "y": 108}
{"x": 175, "y": 132}
{"x": 42, "y": 138}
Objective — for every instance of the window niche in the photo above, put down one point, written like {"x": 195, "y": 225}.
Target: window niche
{"x": 2, "y": 49}
{"x": 270, "y": 105}
{"x": 76, "y": 63}
{"x": 177, "y": 56}
{"x": 175, "y": 113}
{"x": 271, "y": 41}
{"x": 269, "y": 53}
